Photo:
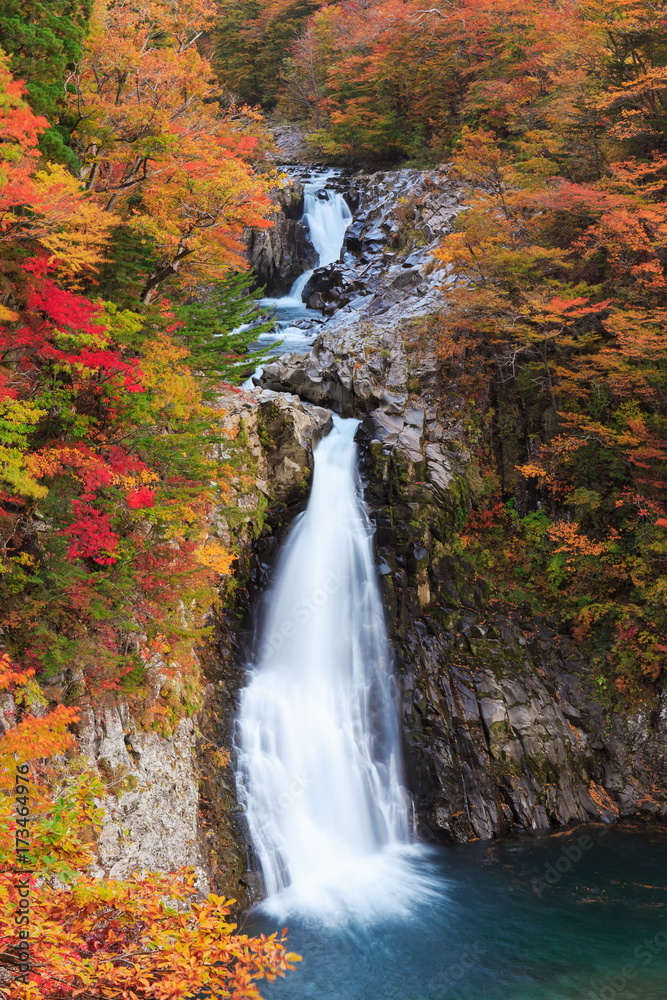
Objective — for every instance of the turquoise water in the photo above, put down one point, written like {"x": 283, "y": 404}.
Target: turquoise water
{"x": 577, "y": 915}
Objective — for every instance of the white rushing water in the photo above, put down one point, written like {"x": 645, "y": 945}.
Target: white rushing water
{"x": 319, "y": 760}
{"x": 326, "y": 216}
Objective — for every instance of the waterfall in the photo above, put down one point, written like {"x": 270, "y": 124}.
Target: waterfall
{"x": 319, "y": 760}
{"x": 326, "y": 215}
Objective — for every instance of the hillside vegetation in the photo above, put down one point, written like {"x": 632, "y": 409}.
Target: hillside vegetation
{"x": 125, "y": 191}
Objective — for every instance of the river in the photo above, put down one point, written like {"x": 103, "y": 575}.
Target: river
{"x": 575, "y": 915}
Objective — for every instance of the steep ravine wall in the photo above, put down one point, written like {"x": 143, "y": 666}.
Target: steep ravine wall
{"x": 501, "y": 729}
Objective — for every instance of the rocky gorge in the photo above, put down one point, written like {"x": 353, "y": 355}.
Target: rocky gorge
{"x": 502, "y": 729}
{"x": 333, "y": 500}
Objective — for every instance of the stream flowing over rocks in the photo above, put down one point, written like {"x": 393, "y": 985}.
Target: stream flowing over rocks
{"x": 501, "y": 728}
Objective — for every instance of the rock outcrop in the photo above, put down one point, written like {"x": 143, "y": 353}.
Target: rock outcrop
{"x": 399, "y": 217}
{"x": 279, "y": 255}
{"x": 152, "y": 805}
{"x": 292, "y": 147}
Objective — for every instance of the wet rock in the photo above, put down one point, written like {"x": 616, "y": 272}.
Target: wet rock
{"x": 493, "y": 712}
{"x": 414, "y": 416}
{"x": 331, "y": 287}
{"x": 373, "y": 261}
{"x": 386, "y": 427}
{"x": 410, "y": 442}
{"x": 291, "y": 429}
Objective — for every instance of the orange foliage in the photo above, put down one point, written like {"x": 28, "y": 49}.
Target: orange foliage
{"x": 151, "y": 936}
{"x": 43, "y": 206}
{"x": 147, "y": 937}
{"x": 150, "y": 129}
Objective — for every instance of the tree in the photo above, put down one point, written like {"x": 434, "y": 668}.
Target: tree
{"x": 219, "y": 333}
{"x": 251, "y": 41}
{"x": 636, "y": 69}
{"x": 155, "y": 145}
{"x": 45, "y": 42}
{"x": 304, "y": 77}
{"x": 105, "y": 439}
{"x": 149, "y": 936}
{"x": 43, "y": 207}
{"x": 559, "y": 310}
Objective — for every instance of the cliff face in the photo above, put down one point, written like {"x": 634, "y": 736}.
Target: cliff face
{"x": 502, "y": 730}
{"x": 152, "y": 809}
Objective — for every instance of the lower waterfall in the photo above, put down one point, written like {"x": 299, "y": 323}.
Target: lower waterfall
{"x": 319, "y": 763}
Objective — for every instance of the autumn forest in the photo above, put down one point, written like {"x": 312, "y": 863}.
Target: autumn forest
{"x": 136, "y": 155}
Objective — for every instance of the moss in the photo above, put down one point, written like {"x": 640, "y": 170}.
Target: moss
{"x": 265, "y": 438}
{"x": 259, "y": 520}
{"x": 134, "y": 682}
{"x": 74, "y": 693}
{"x": 117, "y": 778}
{"x": 242, "y": 436}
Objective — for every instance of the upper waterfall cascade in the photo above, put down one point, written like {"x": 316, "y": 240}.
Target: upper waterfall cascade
{"x": 319, "y": 762}
{"x": 327, "y": 216}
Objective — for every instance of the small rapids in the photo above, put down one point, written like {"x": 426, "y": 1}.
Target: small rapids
{"x": 326, "y": 216}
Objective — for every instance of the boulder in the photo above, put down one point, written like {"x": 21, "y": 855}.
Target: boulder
{"x": 331, "y": 287}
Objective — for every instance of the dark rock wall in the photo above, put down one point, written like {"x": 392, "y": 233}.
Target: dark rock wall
{"x": 279, "y": 255}
{"x": 499, "y": 732}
